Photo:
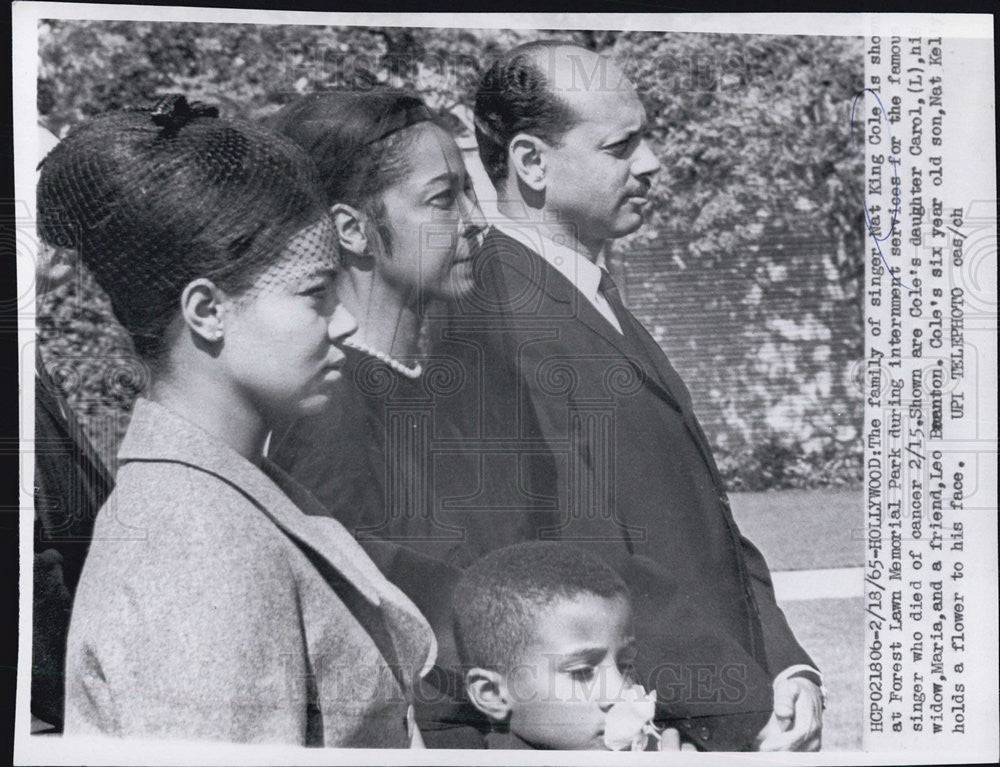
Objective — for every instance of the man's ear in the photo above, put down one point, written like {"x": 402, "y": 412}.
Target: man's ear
{"x": 203, "y": 309}
{"x": 526, "y": 156}
{"x": 488, "y": 693}
{"x": 350, "y": 226}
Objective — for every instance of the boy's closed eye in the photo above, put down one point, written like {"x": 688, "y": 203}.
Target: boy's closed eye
{"x": 443, "y": 191}
{"x": 582, "y": 665}
{"x": 315, "y": 290}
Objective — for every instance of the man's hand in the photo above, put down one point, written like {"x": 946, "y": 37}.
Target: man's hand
{"x": 797, "y": 721}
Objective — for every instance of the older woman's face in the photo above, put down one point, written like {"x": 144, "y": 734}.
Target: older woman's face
{"x": 281, "y": 339}
{"x": 434, "y": 219}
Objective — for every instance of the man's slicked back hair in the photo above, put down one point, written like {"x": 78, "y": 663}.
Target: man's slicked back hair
{"x": 514, "y": 96}
{"x": 499, "y": 598}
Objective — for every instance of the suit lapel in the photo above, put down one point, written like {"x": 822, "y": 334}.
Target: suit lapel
{"x": 557, "y": 287}
{"x": 674, "y": 384}
{"x": 540, "y": 273}
{"x": 663, "y": 379}
{"x": 668, "y": 376}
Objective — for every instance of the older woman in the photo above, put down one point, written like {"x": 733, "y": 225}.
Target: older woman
{"x": 408, "y": 225}
{"x": 217, "y": 601}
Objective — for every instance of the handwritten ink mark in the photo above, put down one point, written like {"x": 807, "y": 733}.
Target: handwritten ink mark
{"x": 895, "y": 175}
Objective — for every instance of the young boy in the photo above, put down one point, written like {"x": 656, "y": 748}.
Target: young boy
{"x": 545, "y": 633}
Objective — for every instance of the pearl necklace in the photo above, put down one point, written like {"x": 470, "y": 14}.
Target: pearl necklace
{"x": 399, "y": 367}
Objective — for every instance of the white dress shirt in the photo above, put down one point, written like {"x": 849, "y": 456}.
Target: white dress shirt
{"x": 583, "y": 273}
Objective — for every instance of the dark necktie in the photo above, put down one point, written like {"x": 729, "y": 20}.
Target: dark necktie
{"x": 632, "y": 330}
{"x": 610, "y": 292}
{"x": 646, "y": 345}
{"x": 637, "y": 336}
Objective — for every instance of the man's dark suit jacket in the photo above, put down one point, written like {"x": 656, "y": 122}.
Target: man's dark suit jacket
{"x": 627, "y": 473}
{"x": 71, "y": 485}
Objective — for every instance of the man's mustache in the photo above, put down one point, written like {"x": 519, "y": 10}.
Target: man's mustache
{"x": 640, "y": 191}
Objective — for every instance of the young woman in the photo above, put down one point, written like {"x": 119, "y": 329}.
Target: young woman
{"x": 217, "y": 600}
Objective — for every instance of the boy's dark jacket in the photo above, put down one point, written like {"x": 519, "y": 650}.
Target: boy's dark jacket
{"x": 598, "y": 432}
{"x": 506, "y": 741}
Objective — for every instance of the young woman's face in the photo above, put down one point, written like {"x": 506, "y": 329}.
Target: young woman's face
{"x": 282, "y": 336}
{"x": 434, "y": 219}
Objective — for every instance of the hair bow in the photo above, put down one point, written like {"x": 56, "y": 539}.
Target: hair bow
{"x": 173, "y": 112}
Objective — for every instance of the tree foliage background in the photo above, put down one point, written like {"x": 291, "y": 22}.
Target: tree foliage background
{"x": 752, "y": 133}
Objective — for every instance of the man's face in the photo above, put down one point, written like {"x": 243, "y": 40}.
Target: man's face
{"x": 577, "y": 667}
{"x": 596, "y": 182}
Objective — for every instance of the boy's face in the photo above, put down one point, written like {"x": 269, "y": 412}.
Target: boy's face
{"x": 572, "y": 673}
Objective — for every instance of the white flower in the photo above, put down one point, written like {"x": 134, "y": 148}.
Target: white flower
{"x": 630, "y": 720}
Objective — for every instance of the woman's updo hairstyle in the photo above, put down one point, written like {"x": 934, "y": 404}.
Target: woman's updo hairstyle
{"x": 358, "y": 140}
{"x": 152, "y": 199}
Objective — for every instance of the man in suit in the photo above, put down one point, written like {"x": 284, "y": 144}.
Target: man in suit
{"x": 626, "y": 469}
{"x": 71, "y": 484}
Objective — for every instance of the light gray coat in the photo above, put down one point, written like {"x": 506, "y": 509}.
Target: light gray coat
{"x": 213, "y": 607}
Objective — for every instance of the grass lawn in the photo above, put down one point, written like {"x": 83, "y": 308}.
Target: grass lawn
{"x": 817, "y": 529}
{"x": 833, "y": 632}
{"x": 803, "y": 529}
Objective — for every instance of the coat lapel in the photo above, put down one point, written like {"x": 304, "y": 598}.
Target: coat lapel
{"x": 157, "y": 434}
{"x": 674, "y": 384}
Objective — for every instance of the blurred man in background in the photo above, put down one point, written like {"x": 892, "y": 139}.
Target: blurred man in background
{"x": 71, "y": 484}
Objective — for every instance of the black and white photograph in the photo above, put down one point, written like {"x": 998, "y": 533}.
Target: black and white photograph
{"x": 520, "y": 384}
